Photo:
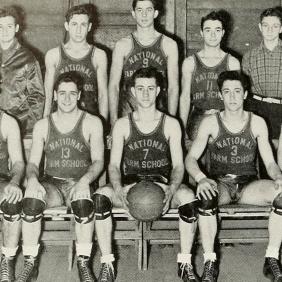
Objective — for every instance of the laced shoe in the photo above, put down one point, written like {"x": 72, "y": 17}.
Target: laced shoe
{"x": 7, "y": 269}
{"x": 107, "y": 273}
{"x": 186, "y": 272}
{"x": 210, "y": 271}
{"x": 84, "y": 271}
{"x": 272, "y": 269}
{"x": 30, "y": 271}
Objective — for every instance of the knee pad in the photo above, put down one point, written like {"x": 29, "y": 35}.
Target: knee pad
{"x": 189, "y": 212}
{"x": 277, "y": 204}
{"x": 11, "y": 212}
{"x": 83, "y": 210}
{"x": 102, "y": 206}
{"x": 208, "y": 207}
{"x": 32, "y": 209}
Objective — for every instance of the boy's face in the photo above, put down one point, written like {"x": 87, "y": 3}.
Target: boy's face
{"x": 8, "y": 29}
{"x": 212, "y": 32}
{"x": 270, "y": 28}
{"x": 144, "y": 13}
{"x": 78, "y": 27}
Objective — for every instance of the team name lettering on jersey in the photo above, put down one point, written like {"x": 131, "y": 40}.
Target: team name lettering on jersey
{"x": 66, "y": 142}
{"x": 147, "y": 143}
{"x": 149, "y": 55}
{"x": 76, "y": 67}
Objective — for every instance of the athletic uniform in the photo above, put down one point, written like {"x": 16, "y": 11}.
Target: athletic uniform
{"x": 68, "y": 157}
{"x": 84, "y": 66}
{"x": 140, "y": 57}
{"x": 233, "y": 158}
{"x": 146, "y": 155}
{"x": 204, "y": 91}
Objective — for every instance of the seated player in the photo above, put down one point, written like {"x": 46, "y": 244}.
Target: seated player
{"x": 146, "y": 145}
{"x": 11, "y": 173}
{"x": 232, "y": 137}
{"x": 72, "y": 141}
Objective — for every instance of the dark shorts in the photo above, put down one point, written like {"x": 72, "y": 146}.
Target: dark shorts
{"x": 233, "y": 184}
{"x": 272, "y": 114}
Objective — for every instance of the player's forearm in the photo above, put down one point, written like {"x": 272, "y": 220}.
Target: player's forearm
{"x": 93, "y": 172}
{"x": 273, "y": 171}
{"x": 113, "y": 103}
{"x": 173, "y": 96}
{"x": 176, "y": 177}
{"x": 32, "y": 171}
{"x": 115, "y": 177}
{"x": 184, "y": 108}
{"x": 17, "y": 172}
{"x": 193, "y": 168}
{"x": 48, "y": 102}
{"x": 103, "y": 105}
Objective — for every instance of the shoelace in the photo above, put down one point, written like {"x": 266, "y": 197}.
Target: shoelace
{"x": 189, "y": 268}
{"x": 275, "y": 267}
{"x": 28, "y": 267}
{"x": 107, "y": 268}
{"x": 5, "y": 271}
{"x": 84, "y": 270}
{"x": 209, "y": 270}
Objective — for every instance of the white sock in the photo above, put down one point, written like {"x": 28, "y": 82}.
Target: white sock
{"x": 9, "y": 252}
{"x": 30, "y": 250}
{"x": 272, "y": 252}
{"x": 107, "y": 258}
{"x": 83, "y": 249}
{"x": 184, "y": 258}
{"x": 209, "y": 256}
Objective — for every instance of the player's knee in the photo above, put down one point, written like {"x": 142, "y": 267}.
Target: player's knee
{"x": 189, "y": 212}
{"x": 277, "y": 204}
{"x": 11, "y": 212}
{"x": 208, "y": 207}
{"x": 102, "y": 205}
{"x": 32, "y": 209}
{"x": 83, "y": 210}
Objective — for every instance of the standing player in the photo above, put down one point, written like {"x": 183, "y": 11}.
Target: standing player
{"x": 10, "y": 193}
{"x": 146, "y": 145}
{"x": 264, "y": 66}
{"x": 143, "y": 48}
{"x": 200, "y": 72}
{"x": 77, "y": 55}
{"x": 21, "y": 85}
{"x": 72, "y": 141}
{"x": 232, "y": 137}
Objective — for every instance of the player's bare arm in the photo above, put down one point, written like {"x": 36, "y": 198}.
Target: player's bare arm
{"x": 51, "y": 62}
{"x": 233, "y": 63}
{"x": 185, "y": 98}
{"x": 11, "y": 133}
{"x": 100, "y": 63}
{"x": 121, "y": 49}
{"x": 171, "y": 50}
{"x": 206, "y": 186}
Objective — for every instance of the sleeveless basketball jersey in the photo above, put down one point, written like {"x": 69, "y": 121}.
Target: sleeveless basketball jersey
{"x": 233, "y": 153}
{"x": 4, "y": 155}
{"x": 140, "y": 57}
{"x": 89, "y": 96}
{"x": 146, "y": 153}
{"x": 67, "y": 154}
{"x": 204, "y": 88}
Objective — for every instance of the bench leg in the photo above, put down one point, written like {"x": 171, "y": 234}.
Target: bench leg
{"x": 146, "y": 228}
{"x": 71, "y": 245}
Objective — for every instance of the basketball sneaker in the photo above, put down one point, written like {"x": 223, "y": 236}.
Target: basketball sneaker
{"x": 210, "y": 271}
{"x": 30, "y": 271}
{"x": 84, "y": 271}
{"x": 272, "y": 269}
{"x": 7, "y": 269}
{"x": 186, "y": 272}
{"x": 106, "y": 273}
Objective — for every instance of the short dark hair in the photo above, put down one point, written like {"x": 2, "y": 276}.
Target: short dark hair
{"x": 232, "y": 75}
{"x": 10, "y": 11}
{"x": 271, "y": 12}
{"x": 78, "y": 10}
{"x": 154, "y": 2}
{"x": 149, "y": 72}
{"x": 213, "y": 16}
{"x": 71, "y": 76}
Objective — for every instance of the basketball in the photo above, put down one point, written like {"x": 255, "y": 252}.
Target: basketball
{"x": 146, "y": 201}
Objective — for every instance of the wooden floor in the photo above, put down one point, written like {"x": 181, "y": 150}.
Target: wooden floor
{"x": 242, "y": 263}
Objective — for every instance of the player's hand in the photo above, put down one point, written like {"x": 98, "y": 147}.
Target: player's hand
{"x": 35, "y": 190}
{"x": 80, "y": 190}
{"x": 278, "y": 183}
{"x": 13, "y": 193}
{"x": 122, "y": 192}
{"x": 168, "y": 196}
{"x": 207, "y": 188}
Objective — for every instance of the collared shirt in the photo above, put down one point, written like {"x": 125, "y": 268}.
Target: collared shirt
{"x": 264, "y": 67}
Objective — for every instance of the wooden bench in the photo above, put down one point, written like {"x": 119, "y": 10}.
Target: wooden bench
{"x": 237, "y": 224}
{"x": 58, "y": 229}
